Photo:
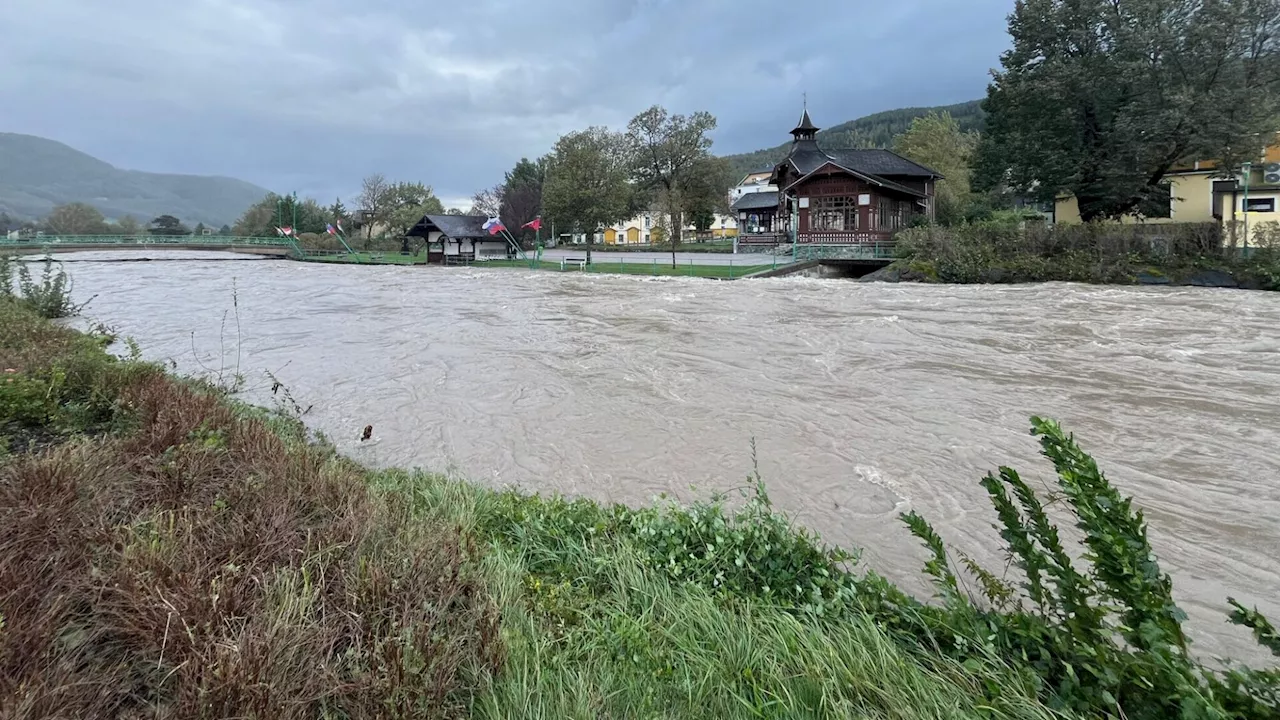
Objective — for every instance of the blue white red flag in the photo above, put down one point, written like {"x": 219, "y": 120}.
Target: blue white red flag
{"x": 330, "y": 229}
{"x": 494, "y": 226}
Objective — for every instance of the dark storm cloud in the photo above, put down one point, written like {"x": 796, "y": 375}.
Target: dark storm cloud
{"x": 313, "y": 94}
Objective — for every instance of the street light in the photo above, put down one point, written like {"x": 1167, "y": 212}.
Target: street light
{"x": 1247, "y": 168}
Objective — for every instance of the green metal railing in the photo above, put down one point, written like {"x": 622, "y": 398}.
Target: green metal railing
{"x": 867, "y": 251}
{"x": 51, "y": 242}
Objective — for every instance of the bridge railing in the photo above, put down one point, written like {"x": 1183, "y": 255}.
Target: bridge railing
{"x": 211, "y": 240}
{"x": 864, "y": 251}
{"x": 51, "y": 242}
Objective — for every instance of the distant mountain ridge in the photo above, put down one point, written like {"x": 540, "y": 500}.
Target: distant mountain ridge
{"x": 873, "y": 131}
{"x": 37, "y": 173}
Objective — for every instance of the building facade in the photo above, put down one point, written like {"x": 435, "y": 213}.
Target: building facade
{"x": 835, "y": 197}
{"x": 1201, "y": 192}
{"x": 646, "y": 228}
{"x": 452, "y": 239}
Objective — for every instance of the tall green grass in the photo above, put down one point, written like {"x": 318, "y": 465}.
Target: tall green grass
{"x": 596, "y": 626}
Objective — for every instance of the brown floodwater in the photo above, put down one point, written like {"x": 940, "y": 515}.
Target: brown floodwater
{"x": 864, "y": 400}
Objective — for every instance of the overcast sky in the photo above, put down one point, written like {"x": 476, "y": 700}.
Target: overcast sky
{"x": 311, "y": 95}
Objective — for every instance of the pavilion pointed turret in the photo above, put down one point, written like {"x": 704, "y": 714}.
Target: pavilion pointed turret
{"x": 806, "y": 130}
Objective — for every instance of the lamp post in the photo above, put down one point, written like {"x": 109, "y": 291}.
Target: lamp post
{"x": 1247, "y": 169}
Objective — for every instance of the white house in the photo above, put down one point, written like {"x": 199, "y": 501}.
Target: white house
{"x": 754, "y": 182}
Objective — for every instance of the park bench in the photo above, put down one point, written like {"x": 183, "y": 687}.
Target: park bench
{"x": 580, "y": 262}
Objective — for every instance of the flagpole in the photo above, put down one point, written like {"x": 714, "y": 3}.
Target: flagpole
{"x": 537, "y": 243}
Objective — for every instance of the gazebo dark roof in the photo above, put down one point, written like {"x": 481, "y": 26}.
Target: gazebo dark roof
{"x": 756, "y": 201}
{"x": 881, "y": 162}
{"x": 452, "y": 226}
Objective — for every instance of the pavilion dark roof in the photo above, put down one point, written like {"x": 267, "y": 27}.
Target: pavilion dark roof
{"x": 453, "y": 226}
{"x": 881, "y": 162}
{"x": 756, "y": 201}
{"x": 877, "y": 163}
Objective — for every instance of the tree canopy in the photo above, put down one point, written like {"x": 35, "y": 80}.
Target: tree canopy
{"x": 75, "y": 218}
{"x": 406, "y": 203}
{"x": 587, "y": 185}
{"x": 937, "y": 141}
{"x": 670, "y": 155}
{"x": 1100, "y": 99}
{"x": 272, "y": 211}
{"x": 522, "y": 194}
{"x": 373, "y": 201}
{"x": 168, "y": 225}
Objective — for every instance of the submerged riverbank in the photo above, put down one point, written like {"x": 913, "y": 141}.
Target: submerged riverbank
{"x": 1258, "y": 274}
{"x": 1188, "y": 255}
{"x": 200, "y": 554}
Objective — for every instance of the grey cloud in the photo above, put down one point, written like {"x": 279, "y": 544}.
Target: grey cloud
{"x": 313, "y": 94}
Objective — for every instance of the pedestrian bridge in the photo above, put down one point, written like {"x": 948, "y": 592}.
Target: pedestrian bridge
{"x": 267, "y": 246}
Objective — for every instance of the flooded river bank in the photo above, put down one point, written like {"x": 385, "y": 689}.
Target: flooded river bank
{"x": 864, "y": 400}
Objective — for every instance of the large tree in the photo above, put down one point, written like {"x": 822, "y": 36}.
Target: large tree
{"x": 936, "y": 141}
{"x": 128, "y": 226}
{"x": 1100, "y": 98}
{"x": 706, "y": 192}
{"x": 75, "y": 218}
{"x": 522, "y": 195}
{"x": 487, "y": 202}
{"x": 272, "y": 211}
{"x": 168, "y": 225}
{"x": 587, "y": 185}
{"x": 407, "y": 203}
{"x": 374, "y": 202}
{"x": 338, "y": 212}
{"x": 666, "y": 152}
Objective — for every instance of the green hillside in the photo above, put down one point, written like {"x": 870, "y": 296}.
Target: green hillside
{"x": 872, "y": 131}
{"x": 36, "y": 174}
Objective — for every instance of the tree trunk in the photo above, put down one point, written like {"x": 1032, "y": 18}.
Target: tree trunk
{"x": 673, "y": 221}
{"x": 590, "y": 237}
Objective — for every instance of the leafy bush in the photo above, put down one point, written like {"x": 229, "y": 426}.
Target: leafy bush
{"x": 1010, "y": 248}
{"x": 1107, "y": 639}
{"x": 6, "y": 278}
{"x": 751, "y": 550}
{"x": 50, "y": 296}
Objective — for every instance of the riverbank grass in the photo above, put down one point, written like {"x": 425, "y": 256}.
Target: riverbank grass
{"x": 200, "y": 558}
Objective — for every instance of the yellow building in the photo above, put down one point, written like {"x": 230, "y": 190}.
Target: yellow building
{"x": 642, "y": 229}
{"x": 1201, "y": 192}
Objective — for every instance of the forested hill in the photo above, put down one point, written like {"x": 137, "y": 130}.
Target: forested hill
{"x": 872, "y": 131}
{"x": 37, "y": 174}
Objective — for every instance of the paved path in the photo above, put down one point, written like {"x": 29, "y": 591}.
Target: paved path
{"x": 647, "y": 258}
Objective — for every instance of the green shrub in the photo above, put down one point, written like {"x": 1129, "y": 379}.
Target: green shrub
{"x": 6, "y": 277}
{"x": 1105, "y": 640}
{"x": 50, "y": 295}
{"x": 751, "y": 550}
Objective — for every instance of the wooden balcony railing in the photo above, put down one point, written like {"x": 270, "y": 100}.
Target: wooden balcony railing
{"x": 858, "y": 237}
{"x": 763, "y": 238}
